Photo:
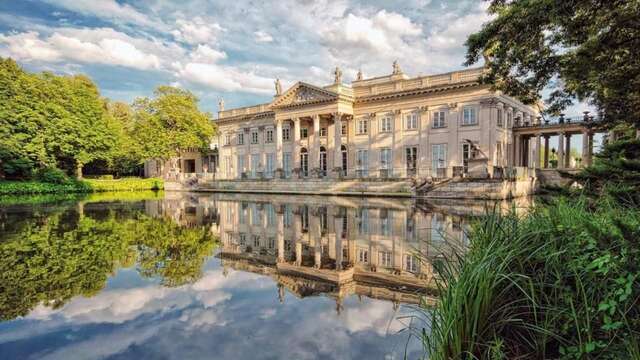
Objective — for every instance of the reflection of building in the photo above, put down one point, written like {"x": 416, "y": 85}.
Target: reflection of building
{"x": 381, "y": 248}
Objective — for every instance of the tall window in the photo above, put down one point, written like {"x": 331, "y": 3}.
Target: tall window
{"x": 254, "y": 137}
{"x": 385, "y": 259}
{"x": 363, "y": 221}
{"x": 255, "y": 164}
{"x": 499, "y": 153}
{"x": 362, "y": 162}
{"x": 304, "y": 133}
{"x": 500, "y": 123}
{"x": 227, "y": 139}
{"x": 363, "y": 255}
{"x": 286, "y": 164}
{"x": 240, "y": 139}
{"x": 469, "y": 116}
{"x": 411, "y": 158}
{"x": 323, "y": 161}
{"x": 240, "y": 165}
{"x": 270, "y": 166}
{"x": 323, "y": 132}
{"x": 385, "y": 124}
{"x": 411, "y": 263}
{"x": 439, "y": 120}
{"x": 385, "y": 158}
{"x": 411, "y": 121}
{"x": 269, "y": 136}
{"x": 363, "y": 126}
{"x": 438, "y": 157}
{"x": 228, "y": 164}
{"x": 509, "y": 118}
{"x": 286, "y": 134}
{"x": 385, "y": 223}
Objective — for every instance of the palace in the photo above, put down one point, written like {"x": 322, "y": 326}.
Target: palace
{"x": 391, "y": 127}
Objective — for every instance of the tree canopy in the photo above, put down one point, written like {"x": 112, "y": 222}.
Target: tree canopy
{"x": 584, "y": 49}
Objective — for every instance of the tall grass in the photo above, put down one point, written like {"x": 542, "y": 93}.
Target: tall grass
{"x": 559, "y": 282}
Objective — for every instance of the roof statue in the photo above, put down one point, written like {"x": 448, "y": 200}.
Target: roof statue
{"x": 278, "y": 87}
{"x": 338, "y": 76}
{"x": 396, "y": 68}
{"x": 221, "y": 104}
{"x": 359, "y": 75}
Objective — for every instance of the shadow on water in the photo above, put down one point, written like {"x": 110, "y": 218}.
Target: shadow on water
{"x": 181, "y": 269}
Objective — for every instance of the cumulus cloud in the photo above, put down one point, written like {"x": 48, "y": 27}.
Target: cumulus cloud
{"x": 196, "y": 31}
{"x": 263, "y": 37}
{"x": 107, "y": 9}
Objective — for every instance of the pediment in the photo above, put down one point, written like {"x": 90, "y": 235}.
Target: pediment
{"x": 302, "y": 94}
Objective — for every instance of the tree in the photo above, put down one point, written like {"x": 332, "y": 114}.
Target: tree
{"x": 584, "y": 49}
{"x": 125, "y": 156}
{"x": 170, "y": 122}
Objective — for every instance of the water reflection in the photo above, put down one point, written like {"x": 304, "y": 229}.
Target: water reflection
{"x": 296, "y": 277}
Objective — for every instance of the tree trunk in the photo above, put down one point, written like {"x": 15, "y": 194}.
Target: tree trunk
{"x": 637, "y": 134}
{"x": 79, "y": 171}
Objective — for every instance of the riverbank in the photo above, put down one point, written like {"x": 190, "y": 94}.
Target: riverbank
{"x": 82, "y": 186}
{"x": 560, "y": 282}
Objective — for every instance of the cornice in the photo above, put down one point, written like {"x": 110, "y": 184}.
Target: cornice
{"x": 414, "y": 92}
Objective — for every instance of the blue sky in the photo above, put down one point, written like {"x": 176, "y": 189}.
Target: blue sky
{"x": 234, "y": 49}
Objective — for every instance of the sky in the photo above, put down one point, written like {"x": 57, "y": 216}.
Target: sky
{"x": 235, "y": 49}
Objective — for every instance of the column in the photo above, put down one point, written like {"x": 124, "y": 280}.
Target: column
{"x": 315, "y": 148}
{"x": 297, "y": 229}
{"x": 536, "y": 153}
{"x": 567, "y": 152}
{"x": 518, "y": 151}
{"x": 546, "y": 151}
{"x": 296, "y": 143}
{"x": 280, "y": 232}
{"x": 337, "y": 143}
{"x": 590, "y": 149}
{"x": 315, "y": 235}
{"x": 279, "y": 165}
{"x": 337, "y": 225}
{"x": 561, "y": 150}
{"x": 587, "y": 147}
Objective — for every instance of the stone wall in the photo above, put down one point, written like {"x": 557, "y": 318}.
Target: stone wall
{"x": 483, "y": 189}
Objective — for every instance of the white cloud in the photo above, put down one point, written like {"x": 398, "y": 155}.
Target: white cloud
{"x": 107, "y": 9}
{"x": 204, "y": 53}
{"x": 196, "y": 31}
{"x": 263, "y": 37}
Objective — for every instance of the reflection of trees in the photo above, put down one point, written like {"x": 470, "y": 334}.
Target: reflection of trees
{"x": 53, "y": 257}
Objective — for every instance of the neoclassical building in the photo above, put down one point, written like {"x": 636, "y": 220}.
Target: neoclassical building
{"x": 392, "y": 126}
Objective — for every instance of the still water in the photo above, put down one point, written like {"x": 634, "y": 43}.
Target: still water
{"x": 224, "y": 276}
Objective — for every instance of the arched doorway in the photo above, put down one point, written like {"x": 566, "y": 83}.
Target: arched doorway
{"x": 343, "y": 150}
{"x": 323, "y": 161}
{"x": 304, "y": 162}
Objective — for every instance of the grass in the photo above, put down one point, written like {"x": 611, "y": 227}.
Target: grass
{"x": 558, "y": 282}
{"x": 83, "y": 186}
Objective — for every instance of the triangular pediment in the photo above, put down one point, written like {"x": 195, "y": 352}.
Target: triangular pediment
{"x": 302, "y": 94}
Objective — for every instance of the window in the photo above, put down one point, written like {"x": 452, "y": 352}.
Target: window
{"x": 344, "y": 129}
{"x": 286, "y": 134}
{"x": 304, "y": 133}
{"x": 271, "y": 161}
{"x": 254, "y": 137}
{"x": 500, "y": 118}
{"x": 269, "y": 136}
{"x": 439, "y": 120}
{"x": 362, "y": 162}
{"x": 228, "y": 164}
{"x": 240, "y": 165}
{"x": 385, "y": 158}
{"x": 240, "y": 139}
{"x": 411, "y": 159}
{"x": 256, "y": 241}
{"x": 385, "y": 124}
{"x": 363, "y": 256}
{"x": 411, "y": 263}
{"x": 509, "y": 118}
{"x": 385, "y": 259}
{"x": 363, "y": 126}
{"x": 323, "y": 132}
{"x": 286, "y": 164}
{"x": 271, "y": 215}
{"x": 499, "y": 153}
{"x": 255, "y": 164}
{"x": 256, "y": 217}
{"x": 287, "y": 217}
{"x": 243, "y": 239}
{"x": 227, "y": 139}
{"x": 363, "y": 221}
{"x": 438, "y": 156}
{"x": 469, "y": 116}
{"x": 272, "y": 243}
{"x": 411, "y": 121}
{"x": 385, "y": 223}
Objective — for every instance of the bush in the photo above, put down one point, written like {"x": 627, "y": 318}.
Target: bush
{"x": 52, "y": 175}
{"x": 560, "y": 282}
{"x": 84, "y": 186}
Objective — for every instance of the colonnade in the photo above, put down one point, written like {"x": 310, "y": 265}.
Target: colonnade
{"x": 529, "y": 145}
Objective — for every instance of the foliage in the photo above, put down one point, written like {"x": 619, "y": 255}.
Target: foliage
{"x": 561, "y": 282}
{"x": 83, "y": 186}
{"x": 51, "y": 257}
{"x": 169, "y": 122}
{"x": 52, "y": 175}
{"x": 615, "y": 170}
{"x": 579, "y": 48}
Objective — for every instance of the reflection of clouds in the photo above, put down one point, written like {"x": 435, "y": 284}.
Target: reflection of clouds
{"x": 377, "y": 316}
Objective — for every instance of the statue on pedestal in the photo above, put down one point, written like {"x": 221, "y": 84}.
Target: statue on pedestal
{"x": 338, "y": 76}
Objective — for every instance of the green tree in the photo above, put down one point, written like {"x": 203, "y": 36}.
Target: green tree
{"x": 169, "y": 122}
{"x": 125, "y": 157}
{"x": 582, "y": 49}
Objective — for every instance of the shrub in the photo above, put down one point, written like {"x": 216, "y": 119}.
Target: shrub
{"x": 560, "y": 282}
{"x": 52, "y": 175}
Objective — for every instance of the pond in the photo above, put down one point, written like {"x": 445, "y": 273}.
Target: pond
{"x": 220, "y": 276}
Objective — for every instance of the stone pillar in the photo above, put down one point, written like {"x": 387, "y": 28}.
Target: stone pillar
{"x": 296, "y": 143}
{"x": 546, "y": 151}
{"x": 590, "y": 149}
{"x": 337, "y": 224}
{"x": 315, "y": 235}
{"x": 587, "y": 147}
{"x": 279, "y": 165}
{"x": 567, "y": 152}
{"x": 280, "y": 234}
{"x": 560, "y": 150}
{"x": 536, "y": 153}
{"x": 518, "y": 151}
{"x": 337, "y": 144}
{"x": 297, "y": 229}
{"x": 314, "y": 152}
